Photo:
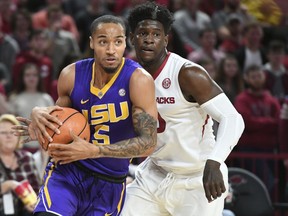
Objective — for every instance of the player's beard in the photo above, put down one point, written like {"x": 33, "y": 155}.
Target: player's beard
{"x": 110, "y": 70}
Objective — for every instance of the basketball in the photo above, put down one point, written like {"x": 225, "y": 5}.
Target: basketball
{"x": 71, "y": 120}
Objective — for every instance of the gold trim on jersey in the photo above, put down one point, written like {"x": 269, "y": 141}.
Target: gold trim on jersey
{"x": 46, "y": 192}
{"x": 121, "y": 199}
{"x": 101, "y": 92}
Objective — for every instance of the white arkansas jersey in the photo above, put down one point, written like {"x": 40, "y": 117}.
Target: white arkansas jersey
{"x": 185, "y": 135}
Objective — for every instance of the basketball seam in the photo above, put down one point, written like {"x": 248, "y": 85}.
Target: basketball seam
{"x": 83, "y": 128}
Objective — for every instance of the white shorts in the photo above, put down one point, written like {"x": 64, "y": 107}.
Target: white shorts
{"x": 156, "y": 193}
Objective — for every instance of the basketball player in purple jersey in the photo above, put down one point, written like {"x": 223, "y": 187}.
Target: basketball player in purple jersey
{"x": 186, "y": 174}
{"x": 118, "y": 98}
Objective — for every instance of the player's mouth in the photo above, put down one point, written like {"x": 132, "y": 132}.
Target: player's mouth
{"x": 110, "y": 60}
{"x": 147, "y": 50}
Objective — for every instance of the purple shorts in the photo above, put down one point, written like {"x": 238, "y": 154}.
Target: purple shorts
{"x": 70, "y": 191}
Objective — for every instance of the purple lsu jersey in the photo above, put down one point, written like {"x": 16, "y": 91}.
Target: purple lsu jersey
{"x": 69, "y": 190}
{"x": 108, "y": 110}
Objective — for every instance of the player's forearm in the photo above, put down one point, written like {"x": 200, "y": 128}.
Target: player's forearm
{"x": 231, "y": 126}
{"x": 135, "y": 147}
{"x": 142, "y": 145}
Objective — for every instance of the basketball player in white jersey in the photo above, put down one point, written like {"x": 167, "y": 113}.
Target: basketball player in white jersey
{"x": 186, "y": 175}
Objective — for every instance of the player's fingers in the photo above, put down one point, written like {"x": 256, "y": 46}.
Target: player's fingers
{"x": 40, "y": 134}
{"x": 20, "y": 130}
{"x": 213, "y": 191}
{"x": 23, "y": 120}
{"x": 68, "y": 158}
{"x": 218, "y": 190}
{"x": 19, "y": 127}
{"x": 21, "y": 133}
{"x": 208, "y": 192}
{"x": 53, "y": 160}
{"x": 62, "y": 158}
{"x": 28, "y": 139}
{"x": 47, "y": 121}
{"x": 56, "y": 147}
{"x": 51, "y": 117}
{"x": 223, "y": 188}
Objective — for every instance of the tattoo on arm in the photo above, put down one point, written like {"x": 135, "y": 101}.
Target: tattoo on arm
{"x": 145, "y": 127}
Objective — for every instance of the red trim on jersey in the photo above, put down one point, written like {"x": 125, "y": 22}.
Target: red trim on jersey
{"x": 203, "y": 127}
{"x": 161, "y": 67}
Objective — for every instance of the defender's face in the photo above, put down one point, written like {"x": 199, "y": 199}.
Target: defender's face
{"x": 108, "y": 43}
{"x": 149, "y": 40}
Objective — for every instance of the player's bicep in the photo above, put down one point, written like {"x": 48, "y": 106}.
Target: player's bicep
{"x": 65, "y": 86}
{"x": 142, "y": 93}
{"x": 196, "y": 82}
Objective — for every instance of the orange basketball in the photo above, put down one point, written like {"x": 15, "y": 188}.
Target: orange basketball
{"x": 71, "y": 120}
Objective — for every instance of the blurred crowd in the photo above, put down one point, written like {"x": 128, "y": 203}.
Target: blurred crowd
{"x": 241, "y": 43}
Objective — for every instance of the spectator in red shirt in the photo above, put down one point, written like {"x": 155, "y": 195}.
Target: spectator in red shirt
{"x": 40, "y": 19}
{"x": 7, "y": 8}
{"x": 36, "y": 54}
{"x": 261, "y": 112}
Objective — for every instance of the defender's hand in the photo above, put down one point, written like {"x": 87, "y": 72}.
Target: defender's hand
{"x": 213, "y": 180}
{"x": 41, "y": 118}
{"x": 24, "y": 130}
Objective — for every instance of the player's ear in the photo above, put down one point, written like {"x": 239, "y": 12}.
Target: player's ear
{"x": 131, "y": 37}
{"x": 91, "y": 42}
{"x": 166, "y": 39}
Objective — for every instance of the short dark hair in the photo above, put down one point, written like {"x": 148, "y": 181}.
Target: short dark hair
{"x": 106, "y": 19}
{"x": 151, "y": 11}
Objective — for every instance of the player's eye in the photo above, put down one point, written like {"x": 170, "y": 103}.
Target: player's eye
{"x": 102, "y": 42}
{"x": 141, "y": 34}
{"x": 119, "y": 42}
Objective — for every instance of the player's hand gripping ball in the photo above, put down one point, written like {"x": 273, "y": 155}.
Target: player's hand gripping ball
{"x": 72, "y": 120}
